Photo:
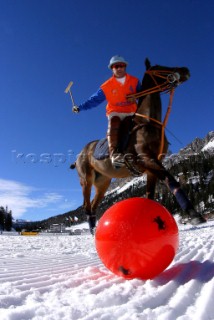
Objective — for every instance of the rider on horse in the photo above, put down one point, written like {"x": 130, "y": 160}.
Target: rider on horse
{"x": 118, "y": 108}
{"x": 146, "y": 142}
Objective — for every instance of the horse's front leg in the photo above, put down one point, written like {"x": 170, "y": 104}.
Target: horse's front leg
{"x": 182, "y": 199}
{"x": 157, "y": 169}
{"x": 150, "y": 185}
{"x": 174, "y": 186}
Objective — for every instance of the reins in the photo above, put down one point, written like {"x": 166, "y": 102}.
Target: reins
{"x": 164, "y": 87}
{"x": 162, "y": 124}
{"x": 169, "y": 87}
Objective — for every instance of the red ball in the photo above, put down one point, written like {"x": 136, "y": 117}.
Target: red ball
{"x": 137, "y": 238}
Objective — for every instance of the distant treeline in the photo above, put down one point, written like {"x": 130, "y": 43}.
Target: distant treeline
{"x": 6, "y": 219}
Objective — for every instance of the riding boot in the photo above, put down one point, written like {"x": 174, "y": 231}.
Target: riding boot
{"x": 113, "y": 140}
{"x": 125, "y": 128}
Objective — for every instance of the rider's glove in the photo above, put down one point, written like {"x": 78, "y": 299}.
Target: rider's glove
{"x": 75, "y": 109}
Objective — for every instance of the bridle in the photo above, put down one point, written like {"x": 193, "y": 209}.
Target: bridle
{"x": 172, "y": 80}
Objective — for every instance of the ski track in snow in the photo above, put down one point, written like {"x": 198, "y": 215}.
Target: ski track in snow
{"x": 60, "y": 277}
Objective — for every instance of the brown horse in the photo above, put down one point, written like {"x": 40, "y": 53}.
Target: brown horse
{"x": 146, "y": 146}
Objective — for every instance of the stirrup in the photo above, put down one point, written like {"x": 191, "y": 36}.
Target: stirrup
{"x": 117, "y": 159}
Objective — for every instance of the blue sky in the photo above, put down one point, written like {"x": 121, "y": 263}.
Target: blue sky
{"x": 47, "y": 43}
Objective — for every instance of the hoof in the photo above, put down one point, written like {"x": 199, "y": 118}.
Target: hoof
{"x": 197, "y": 220}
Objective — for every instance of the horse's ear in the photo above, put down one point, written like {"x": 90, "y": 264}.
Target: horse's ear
{"x": 147, "y": 64}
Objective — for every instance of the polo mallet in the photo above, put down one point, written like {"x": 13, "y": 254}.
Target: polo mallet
{"x": 68, "y": 89}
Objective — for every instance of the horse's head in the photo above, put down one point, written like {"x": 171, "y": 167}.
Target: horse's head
{"x": 163, "y": 78}
{"x": 157, "y": 79}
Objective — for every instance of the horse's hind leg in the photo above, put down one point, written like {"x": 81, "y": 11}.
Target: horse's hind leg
{"x": 86, "y": 175}
{"x": 86, "y": 190}
{"x": 101, "y": 184}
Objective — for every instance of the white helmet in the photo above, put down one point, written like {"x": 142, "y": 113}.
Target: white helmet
{"x": 116, "y": 59}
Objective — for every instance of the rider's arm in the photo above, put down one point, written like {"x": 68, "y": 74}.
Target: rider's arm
{"x": 96, "y": 99}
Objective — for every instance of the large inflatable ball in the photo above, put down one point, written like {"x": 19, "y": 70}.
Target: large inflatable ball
{"x": 136, "y": 238}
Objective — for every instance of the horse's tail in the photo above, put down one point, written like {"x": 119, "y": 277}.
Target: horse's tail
{"x": 73, "y": 165}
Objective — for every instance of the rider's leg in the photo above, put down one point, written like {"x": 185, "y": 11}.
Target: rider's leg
{"x": 113, "y": 138}
{"x": 125, "y": 128}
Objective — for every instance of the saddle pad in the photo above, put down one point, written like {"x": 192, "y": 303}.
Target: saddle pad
{"x": 101, "y": 151}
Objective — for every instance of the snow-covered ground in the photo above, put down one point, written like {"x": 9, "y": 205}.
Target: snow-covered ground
{"x": 56, "y": 277}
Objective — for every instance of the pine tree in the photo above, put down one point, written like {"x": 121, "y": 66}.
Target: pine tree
{"x": 8, "y": 221}
{"x": 2, "y": 217}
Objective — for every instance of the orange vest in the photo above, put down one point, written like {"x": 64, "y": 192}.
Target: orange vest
{"x": 116, "y": 93}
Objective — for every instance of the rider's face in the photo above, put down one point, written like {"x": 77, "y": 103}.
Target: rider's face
{"x": 119, "y": 70}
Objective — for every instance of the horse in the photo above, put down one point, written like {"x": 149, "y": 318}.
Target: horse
{"x": 146, "y": 146}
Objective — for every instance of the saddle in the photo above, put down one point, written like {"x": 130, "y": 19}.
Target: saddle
{"x": 101, "y": 151}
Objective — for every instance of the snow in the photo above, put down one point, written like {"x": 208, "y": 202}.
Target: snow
{"x": 134, "y": 181}
{"x": 209, "y": 145}
{"x": 56, "y": 277}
